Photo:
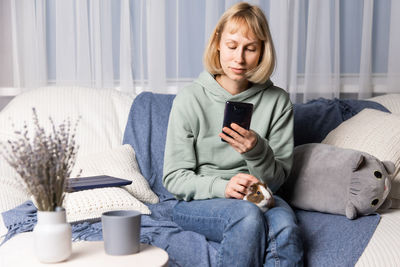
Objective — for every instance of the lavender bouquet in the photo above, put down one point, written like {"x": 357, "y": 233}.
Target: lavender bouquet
{"x": 43, "y": 161}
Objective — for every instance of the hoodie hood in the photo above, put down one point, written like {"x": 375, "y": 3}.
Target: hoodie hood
{"x": 217, "y": 92}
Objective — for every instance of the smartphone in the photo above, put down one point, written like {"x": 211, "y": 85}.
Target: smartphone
{"x": 239, "y": 113}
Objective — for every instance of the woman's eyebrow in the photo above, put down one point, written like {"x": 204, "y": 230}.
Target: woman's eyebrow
{"x": 234, "y": 41}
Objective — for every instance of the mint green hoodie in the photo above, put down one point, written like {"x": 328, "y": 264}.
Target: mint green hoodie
{"x": 198, "y": 165}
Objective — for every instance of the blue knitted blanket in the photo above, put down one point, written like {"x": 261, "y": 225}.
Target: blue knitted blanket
{"x": 329, "y": 240}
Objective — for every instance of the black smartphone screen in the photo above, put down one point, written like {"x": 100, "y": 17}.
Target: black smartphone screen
{"x": 239, "y": 113}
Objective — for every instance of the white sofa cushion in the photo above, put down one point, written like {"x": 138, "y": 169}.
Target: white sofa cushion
{"x": 104, "y": 113}
{"x": 374, "y": 132}
{"x": 389, "y": 101}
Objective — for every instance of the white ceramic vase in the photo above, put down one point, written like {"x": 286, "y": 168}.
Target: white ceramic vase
{"x": 52, "y": 236}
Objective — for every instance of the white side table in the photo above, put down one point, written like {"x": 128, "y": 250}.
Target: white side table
{"x": 18, "y": 252}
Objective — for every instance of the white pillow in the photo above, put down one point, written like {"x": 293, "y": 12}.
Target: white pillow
{"x": 104, "y": 113}
{"x": 374, "y": 132}
{"x": 90, "y": 204}
{"x": 389, "y": 101}
{"x": 118, "y": 162}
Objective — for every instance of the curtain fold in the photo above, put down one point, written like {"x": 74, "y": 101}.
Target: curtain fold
{"x": 320, "y": 64}
{"x": 393, "y": 75}
{"x": 365, "y": 80}
{"x": 29, "y": 43}
{"x": 6, "y": 74}
{"x": 211, "y": 16}
{"x": 83, "y": 56}
{"x": 65, "y": 45}
{"x": 322, "y": 48}
{"x": 83, "y": 43}
{"x": 126, "y": 48}
{"x": 284, "y": 26}
{"x": 156, "y": 45}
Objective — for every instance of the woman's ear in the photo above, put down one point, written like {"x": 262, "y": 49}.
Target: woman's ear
{"x": 217, "y": 37}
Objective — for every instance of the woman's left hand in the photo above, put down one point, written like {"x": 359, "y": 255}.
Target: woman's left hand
{"x": 241, "y": 140}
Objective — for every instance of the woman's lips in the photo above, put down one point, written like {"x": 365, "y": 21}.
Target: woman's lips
{"x": 238, "y": 70}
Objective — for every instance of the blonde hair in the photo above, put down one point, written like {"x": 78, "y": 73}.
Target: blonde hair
{"x": 255, "y": 21}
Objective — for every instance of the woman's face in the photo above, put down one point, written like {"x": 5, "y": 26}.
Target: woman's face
{"x": 240, "y": 52}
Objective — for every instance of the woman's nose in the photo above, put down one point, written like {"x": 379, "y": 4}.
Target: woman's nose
{"x": 239, "y": 56}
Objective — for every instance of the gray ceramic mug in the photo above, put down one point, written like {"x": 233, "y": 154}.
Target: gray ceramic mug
{"x": 121, "y": 232}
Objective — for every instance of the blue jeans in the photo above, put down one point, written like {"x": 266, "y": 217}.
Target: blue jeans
{"x": 285, "y": 246}
{"x": 241, "y": 229}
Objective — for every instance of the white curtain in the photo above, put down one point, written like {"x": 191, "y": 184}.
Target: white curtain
{"x": 83, "y": 43}
{"x": 6, "y": 73}
{"x": 393, "y": 81}
{"x": 365, "y": 80}
{"x": 156, "y": 45}
{"x": 323, "y": 49}
{"x": 27, "y": 23}
{"x": 285, "y": 28}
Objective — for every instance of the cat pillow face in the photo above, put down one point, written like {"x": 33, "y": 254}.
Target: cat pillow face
{"x": 334, "y": 180}
{"x": 369, "y": 186}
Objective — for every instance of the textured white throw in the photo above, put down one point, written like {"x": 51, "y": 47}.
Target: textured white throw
{"x": 374, "y": 132}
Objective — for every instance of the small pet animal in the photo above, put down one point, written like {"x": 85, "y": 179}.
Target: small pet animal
{"x": 260, "y": 194}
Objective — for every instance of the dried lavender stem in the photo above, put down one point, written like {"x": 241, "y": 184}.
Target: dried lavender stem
{"x": 45, "y": 161}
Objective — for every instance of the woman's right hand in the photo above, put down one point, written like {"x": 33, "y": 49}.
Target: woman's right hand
{"x": 237, "y": 186}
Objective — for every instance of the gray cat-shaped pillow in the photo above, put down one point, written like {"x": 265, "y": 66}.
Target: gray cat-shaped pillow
{"x": 334, "y": 180}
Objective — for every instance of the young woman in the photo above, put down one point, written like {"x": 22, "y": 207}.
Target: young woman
{"x": 211, "y": 177}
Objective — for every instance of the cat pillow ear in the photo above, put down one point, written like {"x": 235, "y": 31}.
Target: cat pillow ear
{"x": 389, "y": 166}
{"x": 358, "y": 162}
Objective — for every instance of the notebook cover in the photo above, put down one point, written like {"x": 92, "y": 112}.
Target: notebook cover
{"x": 84, "y": 183}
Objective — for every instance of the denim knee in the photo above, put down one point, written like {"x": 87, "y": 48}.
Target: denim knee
{"x": 281, "y": 221}
{"x": 250, "y": 216}
{"x": 285, "y": 246}
{"x": 287, "y": 231}
{"x": 245, "y": 225}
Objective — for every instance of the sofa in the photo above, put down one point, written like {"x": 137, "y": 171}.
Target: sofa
{"x": 118, "y": 136}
